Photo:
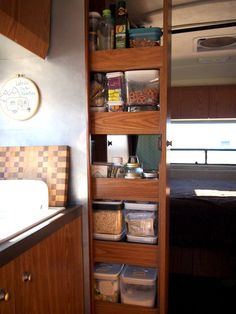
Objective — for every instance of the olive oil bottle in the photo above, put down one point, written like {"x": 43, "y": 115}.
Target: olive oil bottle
{"x": 121, "y": 38}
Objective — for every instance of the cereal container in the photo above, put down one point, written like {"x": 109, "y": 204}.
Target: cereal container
{"x": 142, "y": 87}
{"x": 108, "y": 220}
{"x": 138, "y": 285}
{"x": 106, "y": 282}
{"x": 141, "y": 222}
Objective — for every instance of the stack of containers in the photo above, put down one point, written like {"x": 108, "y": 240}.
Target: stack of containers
{"x": 106, "y": 282}
{"x": 108, "y": 220}
{"x": 138, "y": 286}
{"x": 142, "y": 90}
{"x": 141, "y": 222}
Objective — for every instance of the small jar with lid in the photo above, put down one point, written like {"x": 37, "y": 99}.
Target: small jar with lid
{"x": 94, "y": 20}
{"x": 133, "y": 169}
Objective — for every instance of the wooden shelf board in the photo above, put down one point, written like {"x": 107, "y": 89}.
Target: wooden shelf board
{"x": 126, "y": 189}
{"x": 126, "y": 253}
{"x": 117, "y": 308}
{"x": 126, "y": 59}
{"x": 144, "y": 122}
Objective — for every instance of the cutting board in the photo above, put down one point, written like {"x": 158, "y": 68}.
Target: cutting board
{"x": 47, "y": 163}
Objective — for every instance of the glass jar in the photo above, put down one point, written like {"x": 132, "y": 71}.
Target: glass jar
{"x": 133, "y": 170}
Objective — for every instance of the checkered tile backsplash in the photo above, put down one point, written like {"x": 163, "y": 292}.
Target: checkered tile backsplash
{"x": 47, "y": 163}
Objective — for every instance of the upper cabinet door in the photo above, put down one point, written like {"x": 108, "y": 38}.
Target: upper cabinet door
{"x": 27, "y": 23}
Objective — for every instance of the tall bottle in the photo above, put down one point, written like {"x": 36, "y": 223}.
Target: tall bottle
{"x": 121, "y": 26}
{"x": 106, "y": 31}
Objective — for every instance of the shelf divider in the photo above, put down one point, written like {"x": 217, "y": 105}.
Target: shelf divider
{"x": 117, "y": 308}
{"x": 126, "y": 253}
{"x": 143, "y": 122}
{"x": 126, "y": 189}
{"x": 126, "y": 59}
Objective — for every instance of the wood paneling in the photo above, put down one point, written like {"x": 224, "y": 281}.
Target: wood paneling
{"x": 222, "y": 101}
{"x": 146, "y": 122}
{"x": 115, "y": 308}
{"x": 126, "y": 253}
{"x": 189, "y": 102}
{"x": 125, "y": 189}
{"x": 56, "y": 268}
{"x": 7, "y": 284}
{"x": 27, "y": 23}
{"x": 126, "y": 59}
{"x": 202, "y": 102}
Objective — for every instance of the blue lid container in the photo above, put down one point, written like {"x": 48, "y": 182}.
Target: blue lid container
{"x": 144, "y": 37}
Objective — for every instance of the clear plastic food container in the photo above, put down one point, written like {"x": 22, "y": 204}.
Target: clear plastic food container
{"x": 106, "y": 282}
{"x": 141, "y": 222}
{"x": 144, "y": 37}
{"x": 108, "y": 217}
{"x": 142, "y": 87}
{"x": 138, "y": 286}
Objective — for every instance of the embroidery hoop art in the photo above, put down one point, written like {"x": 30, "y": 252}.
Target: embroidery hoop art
{"x": 19, "y": 98}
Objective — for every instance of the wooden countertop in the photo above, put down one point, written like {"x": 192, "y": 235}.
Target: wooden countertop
{"x": 16, "y": 246}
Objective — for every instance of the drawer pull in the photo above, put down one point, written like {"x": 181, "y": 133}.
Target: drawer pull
{"x": 26, "y": 276}
{"x": 4, "y": 296}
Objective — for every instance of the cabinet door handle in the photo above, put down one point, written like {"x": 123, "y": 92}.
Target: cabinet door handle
{"x": 168, "y": 143}
{"x": 26, "y": 276}
{"x": 4, "y": 296}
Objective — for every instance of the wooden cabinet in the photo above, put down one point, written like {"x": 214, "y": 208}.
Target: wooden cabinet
{"x": 133, "y": 123}
{"x": 27, "y": 23}
{"x": 48, "y": 278}
{"x": 203, "y": 102}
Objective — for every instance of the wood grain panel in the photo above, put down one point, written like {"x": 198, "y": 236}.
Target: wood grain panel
{"x": 126, "y": 59}
{"x": 56, "y": 266}
{"x": 189, "y": 102}
{"x": 7, "y": 284}
{"x": 125, "y": 189}
{"x": 126, "y": 253}
{"x": 147, "y": 122}
{"x": 27, "y": 23}
{"x": 222, "y": 101}
{"x": 116, "y": 308}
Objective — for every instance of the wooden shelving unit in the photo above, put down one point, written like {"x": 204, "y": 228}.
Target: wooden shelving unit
{"x": 133, "y": 123}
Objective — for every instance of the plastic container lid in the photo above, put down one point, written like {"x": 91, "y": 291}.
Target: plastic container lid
{"x": 150, "y": 240}
{"x": 153, "y": 32}
{"x": 139, "y": 275}
{"x": 109, "y": 237}
{"x": 94, "y": 14}
{"x": 114, "y": 74}
{"x": 108, "y": 205}
{"x": 141, "y": 206}
{"x": 142, "y": 75}
{"x": 115, "y": 103}
{"x": 107, "y": 271}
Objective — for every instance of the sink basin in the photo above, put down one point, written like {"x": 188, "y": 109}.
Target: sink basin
{"x": 23, "y": 205}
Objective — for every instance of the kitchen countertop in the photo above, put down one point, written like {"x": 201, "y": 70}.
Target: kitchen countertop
{"x": 21, "y": 243}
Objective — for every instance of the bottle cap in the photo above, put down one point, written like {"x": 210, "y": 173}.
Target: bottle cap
{"x": 106, "y": 12}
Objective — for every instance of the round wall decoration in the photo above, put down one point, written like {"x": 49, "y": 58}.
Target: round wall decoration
{"x": 19, "y": 98}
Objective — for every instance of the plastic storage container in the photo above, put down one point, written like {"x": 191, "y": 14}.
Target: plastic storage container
{"x": 108, "y": 220}
{"x": 106, "y": 281}
{"x": 141, "y": 222}
{"x": 138, "y": 286}
{"x": 94, "y": 20}
{"x": 144, "y": 37}
{"x": 97, "y": 92}
{"x": 142, "y": 87}
{"x": 115, "y": 86}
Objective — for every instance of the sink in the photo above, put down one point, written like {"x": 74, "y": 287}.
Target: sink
{"x": 23, "y": 205}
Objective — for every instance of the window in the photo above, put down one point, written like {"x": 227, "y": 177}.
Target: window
{"x": 203, "y": 142}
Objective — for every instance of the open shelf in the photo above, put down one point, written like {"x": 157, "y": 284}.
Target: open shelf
{"x": 126, "y": 59}
{"x": 118, "y": 308}
{"x": 126, "y": 189}
{"x": 144, "y": 122}
{"x": 126, "y": 253}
